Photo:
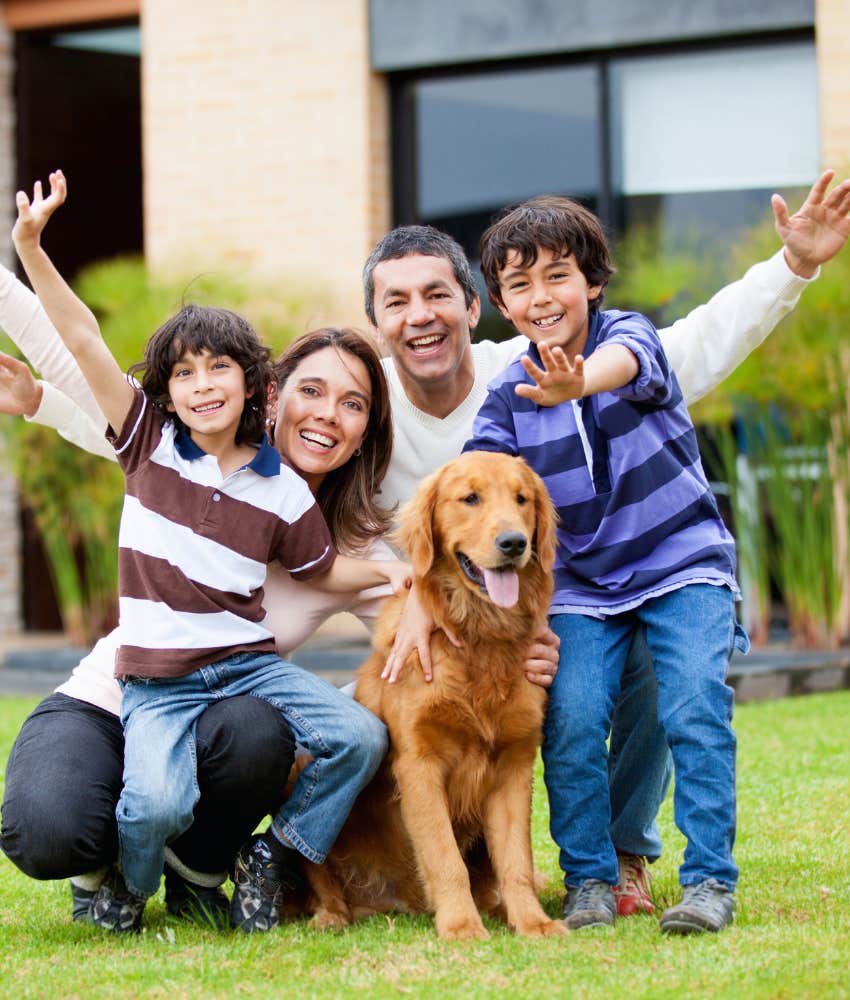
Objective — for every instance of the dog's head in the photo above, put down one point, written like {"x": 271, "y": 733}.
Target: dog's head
{"x": 486, "y": 519}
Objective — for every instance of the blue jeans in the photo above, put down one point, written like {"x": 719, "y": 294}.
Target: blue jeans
{"x": 690, "y": 633}
{"x": 346, "y": 741}
{"x": 639, "y": 763}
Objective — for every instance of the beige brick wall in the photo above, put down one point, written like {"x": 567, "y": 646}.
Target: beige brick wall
{"x": 10, "y": 541}
{"x": 832, "y": 31}
{"x": 266, "y": 144}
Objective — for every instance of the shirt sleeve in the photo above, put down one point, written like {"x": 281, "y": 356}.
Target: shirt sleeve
{"x": 56, "y": 410}
{"x": 493, "y": 428}
{"x": 302, "y": 544}
{"x": 653, "y": 382}
{"x": 25, "y": 322}
{"x": 710, "y": 342}
{"x": 139, "y": 436}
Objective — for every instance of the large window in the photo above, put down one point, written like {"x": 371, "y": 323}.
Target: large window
{"x": 699, "y": 140}
{"x": 680, "y": 141}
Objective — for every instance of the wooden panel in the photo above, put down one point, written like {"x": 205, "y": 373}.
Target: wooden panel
{"x": 21, "y": 15}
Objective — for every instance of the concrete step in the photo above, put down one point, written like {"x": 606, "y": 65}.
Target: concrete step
{"x": 774, "y": 671}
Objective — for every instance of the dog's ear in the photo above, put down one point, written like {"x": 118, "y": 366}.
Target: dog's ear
{"x": 415, "y": 533}
{"x": 545, "y": 518}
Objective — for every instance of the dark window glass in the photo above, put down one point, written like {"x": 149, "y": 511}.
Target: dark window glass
{"x": 489, "y": 140}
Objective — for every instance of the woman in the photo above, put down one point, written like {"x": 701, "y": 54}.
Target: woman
{"x": 64, "y": 773}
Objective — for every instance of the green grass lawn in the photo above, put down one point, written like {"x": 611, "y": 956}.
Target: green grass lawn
{"x": 791, "y": 937}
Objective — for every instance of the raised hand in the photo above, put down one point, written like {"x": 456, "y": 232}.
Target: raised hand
{"x": 557, "y": 381}
{"x": 33, "y": 215}
{"x": 20, "y": 393}
{"x": 818, "y": 230}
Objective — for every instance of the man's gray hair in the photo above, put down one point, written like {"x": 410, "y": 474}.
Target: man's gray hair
{"x": 405, "y": 241}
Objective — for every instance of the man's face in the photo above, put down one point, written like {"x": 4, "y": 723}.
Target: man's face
{"x": 422, "y": 318}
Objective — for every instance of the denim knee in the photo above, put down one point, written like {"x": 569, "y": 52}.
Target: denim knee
{"x": 373, "y": 743}
{"x": 707, "y": 710}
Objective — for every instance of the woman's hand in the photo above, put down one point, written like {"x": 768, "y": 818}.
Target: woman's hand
{"x": 399, "y": 575}
{"x": 541, "y": 664}
{"x": 20, "y": 392}
{"x": 414, "y": 633}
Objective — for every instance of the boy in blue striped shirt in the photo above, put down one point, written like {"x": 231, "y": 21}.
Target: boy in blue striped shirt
{"x": 596, "y": 410}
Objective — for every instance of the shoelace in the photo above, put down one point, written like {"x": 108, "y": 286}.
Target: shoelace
{"x": 633, "y": 869}
{"x": 590, "y": 892}
{"x": 707, "y": 893}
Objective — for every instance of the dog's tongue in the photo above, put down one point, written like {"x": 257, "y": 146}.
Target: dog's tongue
{"x": 502, "y": 586}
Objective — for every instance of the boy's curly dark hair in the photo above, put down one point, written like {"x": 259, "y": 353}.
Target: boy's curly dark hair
{"x": 205, "y": 328}
{"x": 547, "y": 222}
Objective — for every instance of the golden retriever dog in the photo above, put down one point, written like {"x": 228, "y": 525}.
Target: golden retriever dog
{"x": 480, "y": 535}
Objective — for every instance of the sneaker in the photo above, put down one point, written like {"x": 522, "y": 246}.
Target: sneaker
{"x": 632, "y": 894}
{"x": 590, "y": 904}
{"x": 81, "y": 900}
{"x": 261, "y": 884}
{"x": 706, "y": 906}
{"x": 206, "y": 906}
{"x": 114, "y": 908}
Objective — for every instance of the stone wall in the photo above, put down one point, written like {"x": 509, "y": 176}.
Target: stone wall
{"x": 10, "y": 539}
{"x": 266, "y": 145}
{"x": 832, "y": 33}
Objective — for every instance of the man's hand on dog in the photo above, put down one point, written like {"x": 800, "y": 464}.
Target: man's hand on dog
{"x": 541, "y": 664}
{"x": 416, "y": 627}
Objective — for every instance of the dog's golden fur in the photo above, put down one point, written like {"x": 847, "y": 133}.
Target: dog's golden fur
{"x": 462, "y": 748}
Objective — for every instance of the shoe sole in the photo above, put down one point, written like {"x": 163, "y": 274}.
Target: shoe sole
{"x": 681, "y": 925}
{"x": 591, "y": 922}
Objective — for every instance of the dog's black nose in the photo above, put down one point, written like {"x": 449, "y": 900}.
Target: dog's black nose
{"x": 511, "y": 543}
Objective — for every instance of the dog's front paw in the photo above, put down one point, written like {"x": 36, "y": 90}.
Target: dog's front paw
{"x": 331, "y": 920}
{"x": 462, "y": 928}
{"x": 542, "y": 928}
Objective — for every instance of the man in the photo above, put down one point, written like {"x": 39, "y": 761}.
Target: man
{"x": 422, "y": 303}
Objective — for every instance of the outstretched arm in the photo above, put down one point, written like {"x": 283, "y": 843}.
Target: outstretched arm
{"x": 711, "y": 341}
{"x": 75, "y": 323}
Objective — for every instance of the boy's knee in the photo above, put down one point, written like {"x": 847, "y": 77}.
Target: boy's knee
{"x": 372, "y": 743}
{"x": 706, "y": 711}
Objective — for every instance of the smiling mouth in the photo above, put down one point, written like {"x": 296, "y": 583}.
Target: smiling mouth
{"x": 501, "y": 585}
{"x": 313, "y": 437}
{"x": 548, "y": 322}
{"x": 424, "y": 345}
{"x": 207, "y": 407}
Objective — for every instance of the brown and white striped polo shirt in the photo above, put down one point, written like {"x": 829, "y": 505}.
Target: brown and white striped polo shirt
{"x": 194, "y": 545}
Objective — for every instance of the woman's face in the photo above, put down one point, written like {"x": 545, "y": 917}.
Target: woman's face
{"x": 322, "y": 413}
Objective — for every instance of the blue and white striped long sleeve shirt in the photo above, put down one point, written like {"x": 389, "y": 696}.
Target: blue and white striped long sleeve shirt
{"x": 637, "y": 517}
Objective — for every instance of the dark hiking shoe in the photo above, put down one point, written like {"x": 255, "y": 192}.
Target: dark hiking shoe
{"x": 81, "y": 900}
{"x": 590, "y": 904}
{"x": 261, "y": 883}
{"x": 706, "y": 906}
{"x": 114, "y": 908}
{"x": 203, "y": 905}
